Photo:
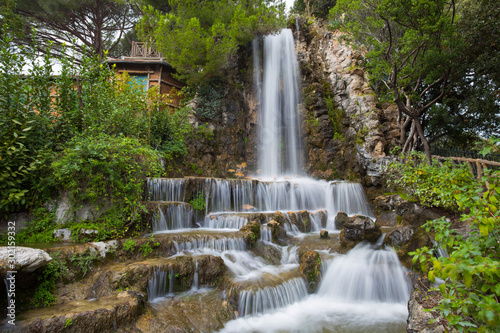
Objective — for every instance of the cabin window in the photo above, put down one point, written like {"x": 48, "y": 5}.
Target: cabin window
{"x": 141, "y": 81}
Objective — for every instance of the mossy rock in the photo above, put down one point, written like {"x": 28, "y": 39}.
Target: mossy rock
{"x": 251, "y": 232}
{"x": 310, "y": 266}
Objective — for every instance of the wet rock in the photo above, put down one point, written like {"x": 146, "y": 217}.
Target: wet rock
{"x": 275, "y": 229}
{"x": 252, "y": 232}
{"x": 419, "y": 239}
{"x": 323, "y": 234}
{"x": 64, "y": 235}
{"x": 280, "y": 218}
{"x": 323, "y": 217}
{"x": 387, "y": 219}
{"x": 301, "y": 220}
{"x": 359, "y": 228}
{"x": 104, "y": 315}
{"x": 400, "y": 236}
{"x": 23, "y": 259}
{"x": 340, "y": 220}
{"x": 204, "y": 312}
{"x": 310, "y": 266}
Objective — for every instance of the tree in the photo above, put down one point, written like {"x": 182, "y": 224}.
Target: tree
{"x": 411, "y": 48}
{"x": 200, "y": 37}
{"x": 472, "y": 107}
{"x": 319, "y": 8}
{"x": 89, "y": 25}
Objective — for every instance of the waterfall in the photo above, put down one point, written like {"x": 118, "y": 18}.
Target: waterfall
{"x": 289, "y": 255}
{"x": 267, "y": 299}
{"x": 224, "y": 221}
{"x": 173, "y": 216}
{"x": 365, "y": 290}
{"x": 366, "y": 275}
{"x": 166, "y": 189}
{"x": 266, "y": 234}
{"x": 210, "y": 244}
{"x": 157, "y": 285}
{"x": 279, "y": 133}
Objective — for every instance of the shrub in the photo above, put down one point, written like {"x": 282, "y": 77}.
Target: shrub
{"x": 471, "y": 287}
{"x": 107, "y": 171}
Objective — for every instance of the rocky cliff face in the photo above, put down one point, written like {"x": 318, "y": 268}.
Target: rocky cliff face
{"x": 347, "y": 131}
{"x": 224, "y": 146}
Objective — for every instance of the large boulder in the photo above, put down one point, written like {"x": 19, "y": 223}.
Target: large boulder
{"x": 103, "y": 315}
{"x": 21, "y": 258}
{"x": 340, "y": 220}
{"x": 357, "y": 229}
{"x": 387, "y": 219}
{"x": 399, "y": 236}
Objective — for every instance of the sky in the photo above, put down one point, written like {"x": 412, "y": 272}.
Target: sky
{"x": 289, "y": 4}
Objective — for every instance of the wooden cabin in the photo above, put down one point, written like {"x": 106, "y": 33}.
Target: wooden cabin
{"x": 147, "y": 67}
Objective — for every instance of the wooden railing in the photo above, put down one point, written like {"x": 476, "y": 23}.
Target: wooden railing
{"x": 143, "y": 50}
{"x": 476, "y": 165}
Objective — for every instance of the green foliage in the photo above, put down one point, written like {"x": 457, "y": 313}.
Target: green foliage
{"x": 68, "y": 322}
{"x": 198, "y": 202}
{"x": 129, "y": 245}
{"x": 84, "y": 261}
{"x": 209, "y": 98}
{"x": 40, "y": 229}
{"x": 204, "y": 132}
{"x": 471, "y": 289}
{"x": 107, "y": 171}
{"x": 55, "y": 270}
{"x": 336, "y": 116}
{"x": 199, "y": 39}
{"x": 147, "y": 248}
{"x": 318, "y": 8}
{"x": 433, "y": 185}
{"x": 411, "y": 48}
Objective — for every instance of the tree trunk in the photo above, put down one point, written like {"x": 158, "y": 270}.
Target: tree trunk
{"x": 421, "y": 134}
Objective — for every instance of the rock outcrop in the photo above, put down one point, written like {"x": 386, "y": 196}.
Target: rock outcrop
{"x": 358, "y": 228}
{"x": 23, "y": 259}
{"x": 347, "y": 131}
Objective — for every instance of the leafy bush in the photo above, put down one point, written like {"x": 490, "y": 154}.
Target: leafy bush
{"x": 107, "y": 171}
{"x": 471, "y": 287}
{"x": 432, "y": 185}
{"x": 129, "y": 245}
{"x": 198, "y": 202}
{"x": 40, "y": 229}
{"x": 84, "y": 261}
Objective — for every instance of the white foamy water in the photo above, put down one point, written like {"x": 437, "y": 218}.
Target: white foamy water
{"x": 365, "y": 290}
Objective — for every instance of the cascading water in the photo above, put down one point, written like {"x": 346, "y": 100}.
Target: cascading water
{"x": 173, "y": 216}
{"x": 279, "y": 135}
{"x": 271, "y": 298}
{"x": 365, "y": 290}
{"x": 160, "y": 284}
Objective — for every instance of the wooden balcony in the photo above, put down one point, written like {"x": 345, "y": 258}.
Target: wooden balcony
{"x": 142, "y": 50}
